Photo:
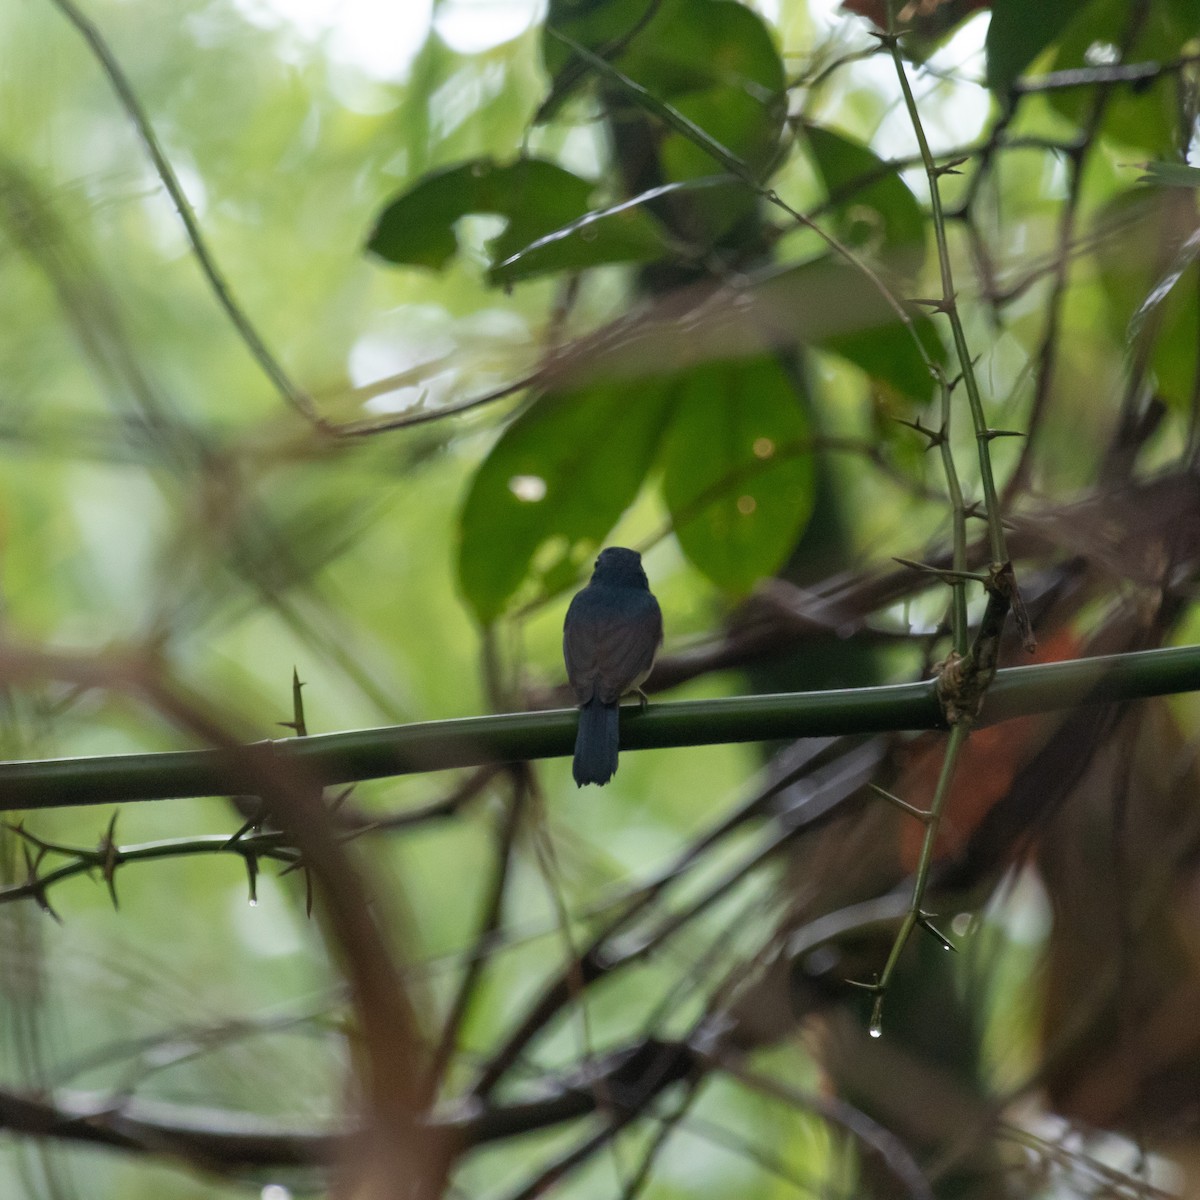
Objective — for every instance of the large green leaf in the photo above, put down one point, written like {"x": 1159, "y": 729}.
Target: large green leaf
{"x": 833, "y": 305}
{"x": 534, "y": 196}
{"x": 1144, "y": 118}
{"x": 738, "y": 477}
{"x": 711, "y": 62}
{"x": 1150, "y": 276}
{"x": 1169, "y": 174}
{"x": 550, "y": 227}
{"x": 672, "y": 47}
{"x": 1019, "y": 31}
{"x": 554, "y": 485}
{"x": 875, "y": 210}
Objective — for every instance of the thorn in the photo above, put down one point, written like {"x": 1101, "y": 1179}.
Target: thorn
{"x": 940, "y": 306}
{"x": 950, "y": 577}
{"x": 297, "y": 721}
{"x": 248, "y": 827}
{"x": 933, "y": 437}
{"x": 885, "y": 40}
{"x": 297, "y": 864}
{"x": 37, "y": 889}
{"x": 921, "y": 815}
{"x": 949, "y": 167}
{"x": 340, "y": 798}
{"x": 1002, "y": 433}
{"x": 251, "y": 861}
{"x": 923, "y": 919}
{"x": 33, "y": 840}
{"x": 874, "y": 988}
{"x": 110, "y": 859}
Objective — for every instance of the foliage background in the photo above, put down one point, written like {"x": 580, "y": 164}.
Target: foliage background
{"x": 157, "y": 492}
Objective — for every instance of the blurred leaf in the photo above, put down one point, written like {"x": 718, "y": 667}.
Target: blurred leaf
{"x": 730, "y": 118}
{"x": 605, "y": 28}
{"x": 733, "y": 120}
{"x": 706, "y": 69}
{"x": 875, "y": 209}
{"x": 672, "y": 47}
{"x": 830, "y": 304}
{"x": 1144, "y": 116}
{"x": 1170, "y": 174}
{"x": 1186, "y": 256}
{"x": 669, "y": 114}
{"x": 1019, "y": 31}
{"x": 1149, "y": 275}
{"x": 739, "y": 478}
{"x": 554, "y": 484}
{"x": 535, "y": 197}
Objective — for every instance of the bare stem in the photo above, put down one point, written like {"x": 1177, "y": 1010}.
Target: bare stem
{"x": 949, "y": 306}
{"x": 269, "y": 364}
{"x": 916, "y": 912}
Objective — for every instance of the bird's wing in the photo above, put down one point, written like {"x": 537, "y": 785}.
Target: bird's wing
{"x": 610, "y": 650}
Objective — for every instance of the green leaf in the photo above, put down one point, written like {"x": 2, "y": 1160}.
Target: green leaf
{"x": 1170, "y": 174}
{"x": 534, "y": 196}
{"x": 830, "y": 304}
{"x": 876, "y": 211}
{"x": 738, "y": 476}
{"x": 712, "y": 148}
{"x": 553, "y": 485}
{"x": 1144, "y": 118}
{"x": 671, "y": 47}
{"x": 1185, "y": 257}
{"x": 1019, "y": 31}
{"x": 1151, "y": 279}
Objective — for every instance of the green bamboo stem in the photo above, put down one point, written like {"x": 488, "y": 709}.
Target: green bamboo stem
{"x": 340, "y": 758}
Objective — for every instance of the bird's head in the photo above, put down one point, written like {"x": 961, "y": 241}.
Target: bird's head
{"x": 620, "y": 567}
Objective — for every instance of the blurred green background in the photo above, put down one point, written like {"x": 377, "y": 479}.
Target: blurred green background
{"x": 155, "y": 490}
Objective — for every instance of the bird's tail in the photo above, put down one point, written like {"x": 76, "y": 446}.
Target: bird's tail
{"x": 596, "y": 742}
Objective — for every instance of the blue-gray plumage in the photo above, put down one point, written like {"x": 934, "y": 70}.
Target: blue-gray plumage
{"x": 612, "y": 632}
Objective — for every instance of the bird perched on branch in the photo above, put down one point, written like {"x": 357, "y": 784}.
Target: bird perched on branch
{"x": 611, "y": 634}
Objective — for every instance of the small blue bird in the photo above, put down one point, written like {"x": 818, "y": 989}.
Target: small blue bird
{"x": 612, "y": 632}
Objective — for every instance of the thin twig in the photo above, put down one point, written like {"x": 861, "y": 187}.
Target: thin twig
{"x": 267, "y": 361}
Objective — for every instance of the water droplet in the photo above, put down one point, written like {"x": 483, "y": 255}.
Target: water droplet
{"x": 876, "y": 1029}
{"x": 253, "y": 901}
